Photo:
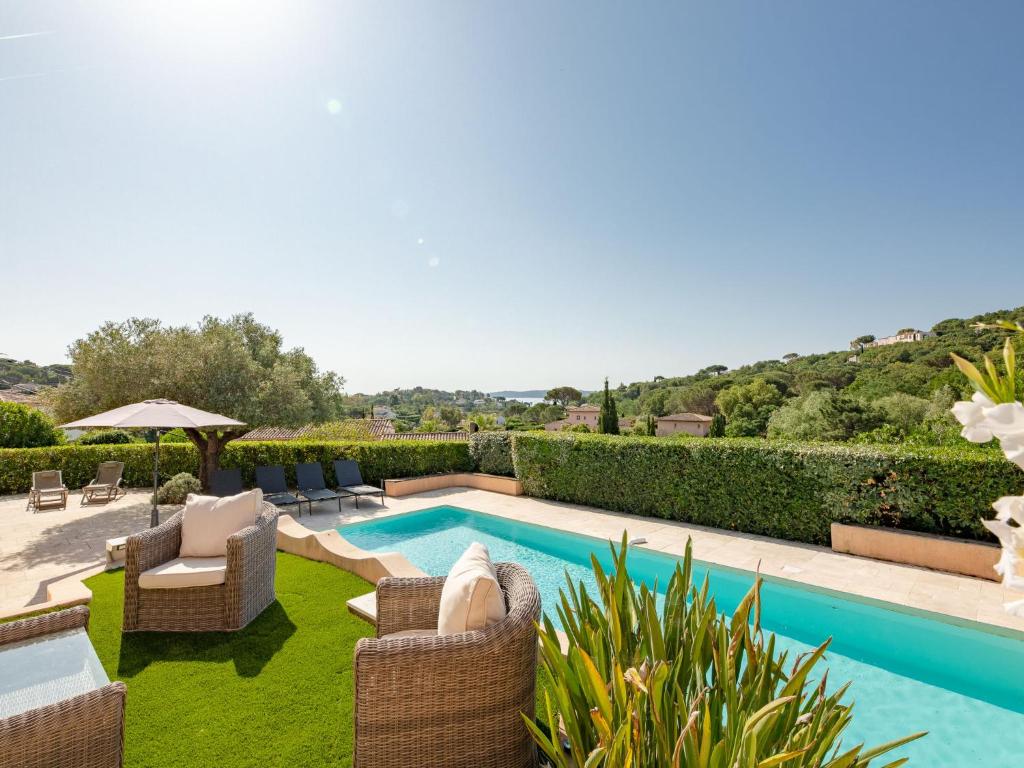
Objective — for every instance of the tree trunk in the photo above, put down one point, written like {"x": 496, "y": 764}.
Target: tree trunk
{"x": 210, "y": 445}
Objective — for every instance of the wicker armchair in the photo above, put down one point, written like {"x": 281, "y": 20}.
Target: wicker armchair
{"x": 248, "y": 586}
{"x": 453, "y": 700}
{"x": 84, "y": 731}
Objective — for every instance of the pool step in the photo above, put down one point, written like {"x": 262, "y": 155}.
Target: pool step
{"x": 365, "y": 607}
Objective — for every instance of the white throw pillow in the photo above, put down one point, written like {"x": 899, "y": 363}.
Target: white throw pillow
{"x": 209, "y": 520}
{"x": 471, "y": 598}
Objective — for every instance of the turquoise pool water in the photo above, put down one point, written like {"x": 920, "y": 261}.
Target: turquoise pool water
{"x": 910, "y": 671}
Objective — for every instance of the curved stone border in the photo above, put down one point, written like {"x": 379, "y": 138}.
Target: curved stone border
{"x": 330, "y": 547}
{"x": 63, "y": 593}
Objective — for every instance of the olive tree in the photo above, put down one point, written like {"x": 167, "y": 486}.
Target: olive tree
{"x": 235, "y": 367}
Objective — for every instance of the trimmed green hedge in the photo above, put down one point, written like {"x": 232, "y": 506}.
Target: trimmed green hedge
{"x": 785, "y": 490}
{"x": 377, "y": 460}
{"x": 492, "y": 453}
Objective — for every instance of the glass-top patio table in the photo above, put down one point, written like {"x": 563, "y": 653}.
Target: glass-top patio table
{"x": 47, "y": 669}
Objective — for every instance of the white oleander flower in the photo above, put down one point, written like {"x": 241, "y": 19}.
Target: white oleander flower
{"x": 1011, "y": 538}
{"x": 972, "y": 414}
{"x": 1009, "y": 508}
{"x": 1013, "y": 448}
{"x": 1005, "y": 419}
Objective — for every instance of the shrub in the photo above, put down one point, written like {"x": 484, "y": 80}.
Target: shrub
{"x": 348, "y": 429}
{"x": 177, "y": 488}
{"x": 378, "y": 460}
{"x": 575, "y": 428}
{"x": 492, "y": 452}
{"x": 106, "y": 437}
{"x": 824, "y": 415}
{"x": 24, "y": 427}
{"x": 787, "y": 490}
{"x": 684, "y": 685}
{"x": 174, "y": 436}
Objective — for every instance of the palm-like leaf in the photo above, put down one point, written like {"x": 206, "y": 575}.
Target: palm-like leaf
{"x": 684, "y": 686}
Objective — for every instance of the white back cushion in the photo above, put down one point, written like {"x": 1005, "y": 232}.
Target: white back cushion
{"x": 209, "y": 520}
{"x": 471, "y": 598}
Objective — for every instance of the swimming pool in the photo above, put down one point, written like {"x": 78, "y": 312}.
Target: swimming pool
{"x": 911, "y": 671}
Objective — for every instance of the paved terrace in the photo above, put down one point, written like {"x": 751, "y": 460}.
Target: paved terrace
{"x": 37, "y": 548}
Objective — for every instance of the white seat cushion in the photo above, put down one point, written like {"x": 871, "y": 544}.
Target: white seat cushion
{"x": 209, "y": 520}
{"x": 471, "y": 598}
{"x": 410, "y": 633}
{"x": 185, "y": 572}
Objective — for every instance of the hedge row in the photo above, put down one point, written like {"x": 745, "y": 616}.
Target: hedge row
{"x": 377, "y": 460}
{"x": 492, "y": 453}
{"x": 784, "y": 490}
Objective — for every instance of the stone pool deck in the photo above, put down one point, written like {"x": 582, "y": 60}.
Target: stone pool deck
{"x": 39, "y": 548}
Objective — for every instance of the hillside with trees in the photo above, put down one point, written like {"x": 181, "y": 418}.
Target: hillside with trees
{"x": 894, "y": 393}
{"x": 26, "y": 372}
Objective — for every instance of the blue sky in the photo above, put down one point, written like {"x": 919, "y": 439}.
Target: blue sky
{"x": 510, "y": 195}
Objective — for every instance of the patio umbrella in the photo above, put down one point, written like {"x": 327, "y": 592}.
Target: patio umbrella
{"x": 159, "y": 415}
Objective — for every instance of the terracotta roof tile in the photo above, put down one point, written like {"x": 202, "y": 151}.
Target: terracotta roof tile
{"x": 449, "y": 436}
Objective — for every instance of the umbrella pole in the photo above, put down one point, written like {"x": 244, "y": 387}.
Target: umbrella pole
{"x": 154, "y": 515}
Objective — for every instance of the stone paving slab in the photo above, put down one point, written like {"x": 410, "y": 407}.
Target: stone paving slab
{"x": 37, "y": 548}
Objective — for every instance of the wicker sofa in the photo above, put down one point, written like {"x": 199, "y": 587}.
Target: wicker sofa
{"x": 82, "y": 731}
{"x": 247, "y": 590}
{"x": 451, "y": 700}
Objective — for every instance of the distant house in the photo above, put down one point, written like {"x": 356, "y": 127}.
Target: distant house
{"x": 903, "y": 337}
{"x": 384, "y": 412}
{"x": 691, "y": 423}
{"x": 582, "y": 414}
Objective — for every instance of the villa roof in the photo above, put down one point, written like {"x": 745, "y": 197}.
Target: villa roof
{"x": 16, "y": 396}
{"x": 379, "y": 428}
{"x": 686, "y": 417}
{"x": 274, "y": 433}
{"x": 449, "y": 436}
{"x": 587, "y": 407}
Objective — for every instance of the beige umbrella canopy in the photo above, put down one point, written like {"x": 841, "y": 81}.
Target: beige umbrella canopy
{"x": 159, "y": 415}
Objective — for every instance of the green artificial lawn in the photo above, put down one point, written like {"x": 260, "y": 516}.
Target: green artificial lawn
{"x": 279, "y": 692}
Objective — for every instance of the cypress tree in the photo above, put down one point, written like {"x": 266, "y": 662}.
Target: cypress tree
{"x": 608, "y": 420}
{"x": 717, "y": 426}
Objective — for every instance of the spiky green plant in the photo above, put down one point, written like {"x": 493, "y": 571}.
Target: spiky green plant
{"x": 684, "y": 687}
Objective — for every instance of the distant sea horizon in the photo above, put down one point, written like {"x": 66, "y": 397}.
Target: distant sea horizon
{"x": 529, "y": 396}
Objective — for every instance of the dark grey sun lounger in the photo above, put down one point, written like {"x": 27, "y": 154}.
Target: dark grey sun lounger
{"x": 271, "y": 481}
{"x": 350, "y": 480}
{"x": 226, "y": 482}
{"x": 310, "y": 480}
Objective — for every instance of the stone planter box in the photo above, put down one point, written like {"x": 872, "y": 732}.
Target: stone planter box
{"x": 940, "y": 553}
{"x": 496, "y": 483}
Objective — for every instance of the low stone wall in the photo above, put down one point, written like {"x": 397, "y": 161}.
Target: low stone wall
{"x": 407, "y": 486}
{"x": 941, "y": 553}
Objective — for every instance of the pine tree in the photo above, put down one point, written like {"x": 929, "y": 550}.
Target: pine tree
{"x": 608, "y": 420}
